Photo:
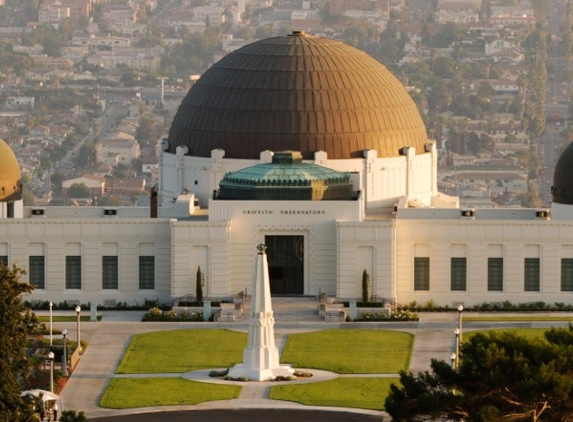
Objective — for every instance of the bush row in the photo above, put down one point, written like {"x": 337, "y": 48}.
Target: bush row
{"x": 400, "y": 315}
{"x": 157, "y": 314}
{"x": 505, "y": 306}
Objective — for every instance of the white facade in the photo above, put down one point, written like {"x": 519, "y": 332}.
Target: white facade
{"x": 114, "y": 151}
{"x": 53, "y": 13}
{"x": 384, "y": 180}
{"x": 338, "y": 244}
{"x": 213, "y": 14}
{"x": 91, "y": 238}
{"x": 415, "y": 247}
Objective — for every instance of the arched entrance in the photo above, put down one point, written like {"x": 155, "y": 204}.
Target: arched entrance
{"x": 285, "y": 256}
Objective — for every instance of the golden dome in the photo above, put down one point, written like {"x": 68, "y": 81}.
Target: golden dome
{"x": 10, "y": 177}
{"x": 301, "y": 93}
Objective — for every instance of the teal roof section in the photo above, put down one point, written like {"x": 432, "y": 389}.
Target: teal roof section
{"x": 286, "y": 170}
{"x": 287, "y": 177}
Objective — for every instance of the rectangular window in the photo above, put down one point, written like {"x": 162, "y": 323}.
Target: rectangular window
{"x": 495, "y": 274}
{"x": 73, "y": 272}
{"x": 147, "y": 272}
{"x": 567, "y": 275}
{"x": 421, "y": 273}
{"x": 36, "y": 269}
{"x": 458, "y": 273}
{"x": 109, "y": 272}
{"x": 531, "y": 278}
{"x": 4, "y": 259}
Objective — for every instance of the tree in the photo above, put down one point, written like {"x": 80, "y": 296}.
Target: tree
{"x": 72, "y": 416}
{"x": 28, "y": 197}
{"x": 78, "y": 190}
{"x": 449, "y": 34}
{"x": 17, "y": 322}
{"x": 502, "y": 376}
{"x": 145, "y": 130}
{"x": 56, "y": 179}
{"x": 199, "y": 284}
{"x": 86, "y": 155}
{"x": 365, "y": 286}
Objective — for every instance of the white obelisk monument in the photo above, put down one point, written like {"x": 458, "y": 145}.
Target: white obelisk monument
{"x": 261, "y": 356}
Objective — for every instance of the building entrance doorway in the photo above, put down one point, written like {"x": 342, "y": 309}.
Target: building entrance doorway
{"x": 285, "y": 255}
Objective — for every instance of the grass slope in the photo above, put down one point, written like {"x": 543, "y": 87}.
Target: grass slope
{"x": 362, "y": 393}
{"x": 161, "y": 352}
{"x": 350, "y": 351}
{"x": 126, "y": 393}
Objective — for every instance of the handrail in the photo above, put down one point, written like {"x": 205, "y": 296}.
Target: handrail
{"x": 384, "y": 300}
{"x": 184, "y": 298}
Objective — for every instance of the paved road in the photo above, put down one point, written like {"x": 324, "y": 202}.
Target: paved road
{"x": 248, "y": 415}
{"x": 110, "y": 337}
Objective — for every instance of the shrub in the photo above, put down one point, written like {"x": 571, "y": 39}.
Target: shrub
{"x": 215, "y": 373}
{"x": 400, "y": 315}
{"x": 156, "y": 314}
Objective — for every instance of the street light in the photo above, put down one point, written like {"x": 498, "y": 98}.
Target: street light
{"x": 65, "y": 358}
{"x": 51, "y": 359}
{"x": 460, "y": 310}
{"x": 78, "y": 310}
{"x": 457, "y": 333}
{"x": 51, "y": 306}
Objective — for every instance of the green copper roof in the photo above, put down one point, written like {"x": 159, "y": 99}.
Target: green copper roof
{"x": 287, "y": 177}
{"x": 286, "y": 170}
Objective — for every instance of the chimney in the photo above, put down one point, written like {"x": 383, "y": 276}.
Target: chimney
{"x": 153, "y": 204}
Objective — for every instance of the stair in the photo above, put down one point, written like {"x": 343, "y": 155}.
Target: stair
{"x": 291, "y": 309}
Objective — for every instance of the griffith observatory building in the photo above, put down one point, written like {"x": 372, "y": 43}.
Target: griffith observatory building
{"x": 315, "y": 149}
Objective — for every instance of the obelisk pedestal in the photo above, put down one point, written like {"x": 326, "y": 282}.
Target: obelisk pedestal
{"x": 261, "y": 356}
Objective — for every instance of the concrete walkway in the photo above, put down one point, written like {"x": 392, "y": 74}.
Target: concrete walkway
{"x": 108, "y": 342}
{"x": 109, "y": 338}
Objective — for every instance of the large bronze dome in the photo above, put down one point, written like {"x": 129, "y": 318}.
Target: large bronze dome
{"x": 562, "y": 189}
{"x": 10, "y": 176}
{"x": 301, "y": 93}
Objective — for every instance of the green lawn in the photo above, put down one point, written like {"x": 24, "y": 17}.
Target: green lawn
{"x": 126, "y": 393}
{"x": 362, "y": 393}
{"x": 525, "y": 318}
{"x": 65, "y": 318}
{"x": 182, "y": 351}
{"x": 343, "y": 351}
{"x": 350, "y": 351}
{"x": 529, "y": 333}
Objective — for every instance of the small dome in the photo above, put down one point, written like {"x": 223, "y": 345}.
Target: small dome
{"x": 286, "y": 178}
{"x": 301, "y": 93}
{"x": 10, "y": 177}
{"x": 562, "y": 189}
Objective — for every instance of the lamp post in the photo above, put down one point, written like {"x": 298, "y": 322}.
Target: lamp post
{"x": 453, "y": 359}
{"x": 51, "y": 306}
{"x": 460, "y": 310}
{"x": 457, "y": 333}
{"x": 78, "y": 310}
{"x": 51, "y": 359}
{"x": 65, "y": 358}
